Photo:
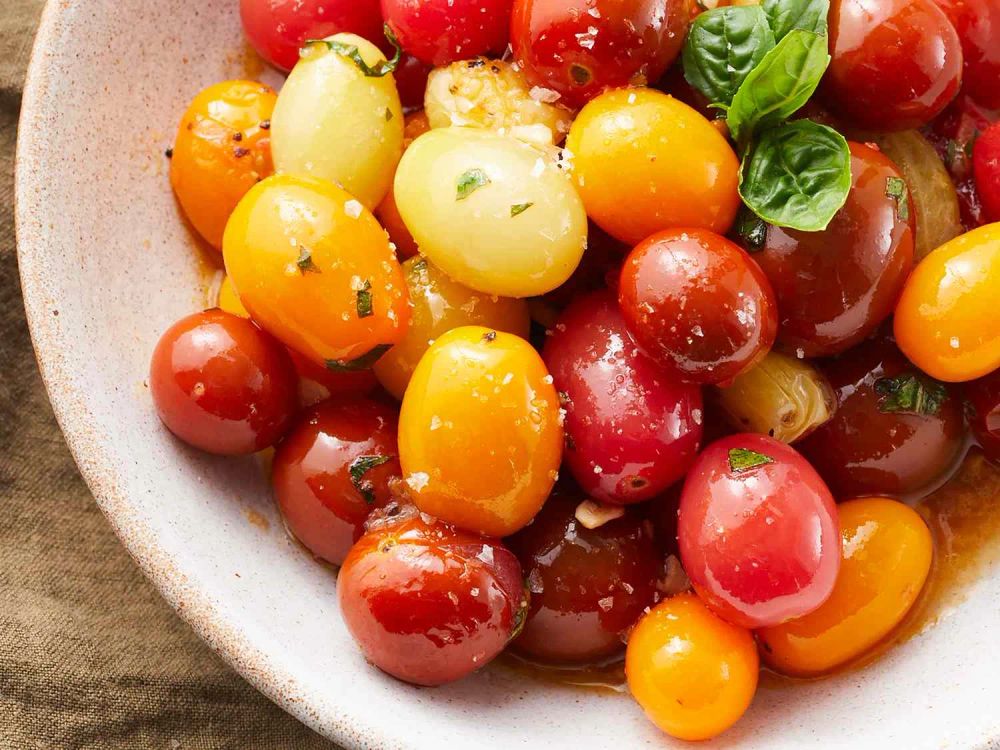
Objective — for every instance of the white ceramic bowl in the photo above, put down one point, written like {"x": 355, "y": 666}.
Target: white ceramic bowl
{"x": 107, "y": 265}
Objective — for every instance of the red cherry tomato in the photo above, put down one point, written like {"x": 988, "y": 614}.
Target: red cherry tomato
{"x": 318, "y": 383}
{"x": 580, "y": 47}
{"x": 978, "y": 25}
{"x": 411, "y": 82}
{"x": 277, "y": 28}
{"x": 332, "y": 469}
{"x": 427, "y": 603}
{"x": 221, "y": 384}
{"x": 758, "y": 531}
{"x": 632, "y": 430}
{"x": 986, "y": 168}
{"x": 439, "y": 32}
{"x": 984, "y": 400}
{"x": 698, "y": 305}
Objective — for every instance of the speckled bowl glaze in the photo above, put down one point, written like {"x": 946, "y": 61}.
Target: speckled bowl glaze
{"x": 107, "y": 264}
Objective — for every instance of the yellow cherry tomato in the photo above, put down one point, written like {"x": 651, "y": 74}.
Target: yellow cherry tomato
{"x": 946, "y": 320}
{"x": 222, "y": 150}
{"x": 334, "y": 121}
{"x": 692, "y": 672}
{"x": 315, "y": 270}
{"x": 229, "y": 300}
{"x": 480, "y": 434}
{"x": 644, "y": 162}
{"x": 887, "y": 551}
{"x": 439, "y": 305}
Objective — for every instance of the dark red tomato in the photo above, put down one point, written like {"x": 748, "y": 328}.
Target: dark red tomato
{"x": 698, "y": 305}
{"x": 317, "y": 383}
{"x": 632, "y": 430}
{"x": 986, "y": 168}
{"x": 674, "y": 83}
{"x": 588, "y": 586}
{"x": 221, "y": 384}
{"x": 896, "y": 63}
{"x": 580, "y": 47}
{"x": 599, "y": 264}
{"x": 984, "y": 414}
{"x": 428, "y": 603}
{"x": 955, "y": 132}
{"x": 277, "y": 28}
{"x": 875, "y": 445}
{"x": 758, "y": 531}
{"x": 332, "y": 469}
{"x": 439, "y": 32}
{"x": 411, "y": 82}
{"x": 978, "y": 25}
{"x": 835, "y": 287}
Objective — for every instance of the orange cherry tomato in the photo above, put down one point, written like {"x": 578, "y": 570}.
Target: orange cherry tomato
{"x": 946, "y": 319}
{"x": 692, "y": 672}
{"x": 223, "y": 149}
{"x": 480, "y": 437}
{"x": 887, "y": 551}
{"x": 387, "y": 211}
{"x": 315, "y": 269}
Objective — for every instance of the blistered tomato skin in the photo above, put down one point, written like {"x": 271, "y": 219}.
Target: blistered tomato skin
{"x": 580, "y": 47}
{"x": 480, "y": 438}
{"x": 896, "y": 63}
{"x": 887, "y": 552}
{"x": 984, "y": 413}
{"x": 223, "y": 148}
{"x": 946, "y": 321}
{"x": 698, "y": 305}
{"x": 322, "y": 504}
{"x": 693, "y": 673}
{"x": 221, "y": 384}
{"x": 978, "y": 25}
{"x": 427, "y": 603}
{"x": 644, "y": 162}
{"x": 632, "y": 430}
{"x": 758, "y": 535}
{"x": 835, "y": 287}
{"x": 438, "y": 32}
{"x": 314, "y": 269}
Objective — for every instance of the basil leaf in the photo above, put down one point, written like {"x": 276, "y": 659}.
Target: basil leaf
{"x": 305, "y": 262}
{"x": 352, "y": 53}
{"x": 723, "y": 46}
{"x": 361, "y": 466}
{"x": 782, "y": 82}
{"x": 797, "y": 175}
{"x": 469, "y": 182}
{"x": 895, "y": 188}
{"x": 364, "y": 362}
{"x": 910, "y": 393}
{"x": 744, "y": 459}
{"x": 787, "y": 15}
{"x": 364, "y": 300}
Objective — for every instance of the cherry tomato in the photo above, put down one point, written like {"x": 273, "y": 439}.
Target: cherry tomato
{"x": 757, "y": 531}
{"x": 229, "y": 300}
{"x": 698, "y": 305}
{"x": 587, "y": 586}
{"x": 387, "y": 211}
{"x": 645, "y": 162}
{"x": 427, "y": 603}
{"x": 894, "y": 431}
{"x": 221, "y": 384}
{"x": 277, "y": 28}
{"x": 978, "y": 25}
{"x": 835, "y": 287}
{"x": 984, "y": 416}
{"x": 632, "y": 430}
{"x": 598, "y": 268}
{"x": 438, "y": 32}
{"x": 580, "y": 47}
{"x": 411, "y": 82}
{"x": 946, "y": 320}
{"x": 223, "y": 148}
{"x": 986, "y": 168}
{"x": 887, "y": 552}
{"x": 479, "y": 432}
{"x": 315, "y": 269}
{"x": 693, "y": 674}
{"x": 896, "y": 63}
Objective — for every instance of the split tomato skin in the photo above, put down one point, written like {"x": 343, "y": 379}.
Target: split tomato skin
{"x": 438, "y": 32}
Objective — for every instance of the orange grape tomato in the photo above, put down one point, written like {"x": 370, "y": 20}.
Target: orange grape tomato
{"x": 946, "y": 319}
{"x": 315, "y": 269}
{"x": 887, "y": 551}
{"x": 229, "y": 300}
{"x": 645, "y": 162}
{"x": 480, "y": 434}
{"x": 692, "y": 672}
{"x": 223, "y": 149}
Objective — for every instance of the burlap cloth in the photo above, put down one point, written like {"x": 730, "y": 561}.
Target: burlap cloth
{"x": 90, "y": 656}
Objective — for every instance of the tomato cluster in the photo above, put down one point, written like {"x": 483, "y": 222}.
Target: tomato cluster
{"x": 532, "y": 333}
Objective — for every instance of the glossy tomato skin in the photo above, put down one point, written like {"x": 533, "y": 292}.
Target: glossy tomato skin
{"x": 580, "y": 47}
{"x": 761, "y": 545}
{"x": 835, "y": 287}
{"x": 323, "y": 506}
{"x": 698, "y": 305}
{"x": 632, "y": 430}
{"x": 865, "y": 451}
{"x": 221, "y": 384}
{"x": 984, "y": 413}
{"x": 587, "y": 586}
{"x": 978, "y": 25}
{"x": 429, "y": 604}
{"x": 411, "y": 82}
{"x": 896, "y": 63}
{"x": 986, "y": 169}
{"x": 438, "y": 32}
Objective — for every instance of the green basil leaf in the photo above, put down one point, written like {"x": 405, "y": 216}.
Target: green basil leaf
{"x": 723, "y": 46}
{"x": 361, "y": 466}
{"x": 787, "y": 15}
{"x": 782, "y": 82}
{"x": 744, "y": 459}
{"x": 910, "y": 393}
{"x": 352, "y": 53}
{"x": 797, "y": 175}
